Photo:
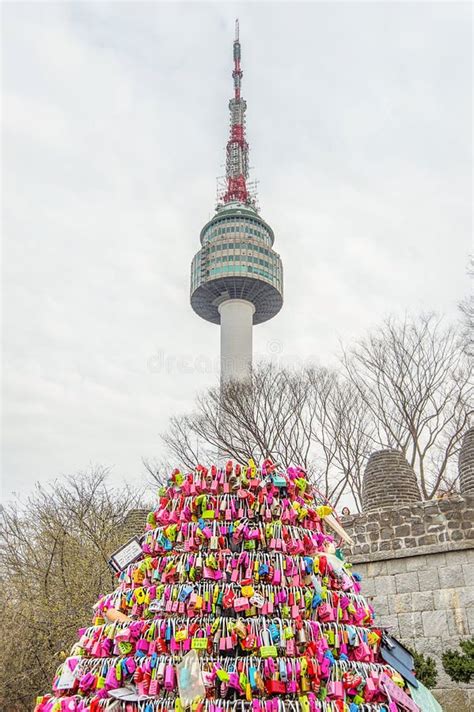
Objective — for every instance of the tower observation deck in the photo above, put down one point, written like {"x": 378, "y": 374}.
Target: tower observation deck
{"x": 236, "y": 277}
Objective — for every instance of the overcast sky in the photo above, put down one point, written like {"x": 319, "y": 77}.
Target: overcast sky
{"x": 115, "y": 122}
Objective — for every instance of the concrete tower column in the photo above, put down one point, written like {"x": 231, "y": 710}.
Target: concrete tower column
{"x": 236, "y": 339}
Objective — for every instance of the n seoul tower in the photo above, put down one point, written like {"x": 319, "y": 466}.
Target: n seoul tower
{"x": 236, "y": 277}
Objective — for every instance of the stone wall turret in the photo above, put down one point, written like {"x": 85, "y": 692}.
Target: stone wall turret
{"x": 134, "y": 523}
{"x": 388, "y": 481}
{"x": 466, "y": 464}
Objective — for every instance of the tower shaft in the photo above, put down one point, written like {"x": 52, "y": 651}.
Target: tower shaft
{"x": 236, "y": 339}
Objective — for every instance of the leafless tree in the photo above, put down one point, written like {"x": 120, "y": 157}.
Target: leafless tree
{"x": 53, "y": 567}
{"x": 415, "y": 382}
{"x": 341, "y": 433}
{"x": 466, "y": 307}
{"x": 405, "y": 386}
{"x": 158, "y": 471}
{"x": 291, "y": 417}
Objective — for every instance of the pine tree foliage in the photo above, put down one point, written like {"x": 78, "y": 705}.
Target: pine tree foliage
{"x": 460, "y": 665}
{"x": 425, "y": 669}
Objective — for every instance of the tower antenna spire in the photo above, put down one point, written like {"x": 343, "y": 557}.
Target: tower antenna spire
{"x": 237, "y": 151}
{"x": 236, "y": 277}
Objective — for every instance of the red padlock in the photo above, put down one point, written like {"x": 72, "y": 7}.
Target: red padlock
{"x": 275, "y": 687}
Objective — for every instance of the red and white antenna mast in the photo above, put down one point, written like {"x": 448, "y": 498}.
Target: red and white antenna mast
{"x": 237, "y": 159}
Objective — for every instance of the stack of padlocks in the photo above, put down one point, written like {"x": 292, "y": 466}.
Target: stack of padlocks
{"x": 237, "y": 567}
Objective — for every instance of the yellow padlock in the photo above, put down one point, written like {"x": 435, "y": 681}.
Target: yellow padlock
{"x": 181, "y": 635}
{"x": 248, "y": 692}
{"x": 140, "y": 595}
{"x": 247, "y": 591}
{"x": 138, "y": 576}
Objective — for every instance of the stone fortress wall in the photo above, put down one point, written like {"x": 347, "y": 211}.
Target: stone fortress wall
{"x": 417, "y": 563}
{"x": 416, "y": 559}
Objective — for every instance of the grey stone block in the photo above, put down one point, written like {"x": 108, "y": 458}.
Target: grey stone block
{"x": 457, "y": 622}
{"x": 446, "y": 598}
{"x": 470, "y": 619}
{"x": 448, "y": 644}
{"x": 451, "y": 576}
{"x": 422, "y": 601}
{"x": 416, "y": 563}
{"x": 438, "y": 559}
{"x": 435, "y": 622}
{"x": 428, "y": 580}
{"x": 452, "y": 700}
{"x": 381, "y": 606}
{"x": 401, "y": 603}
{"x": 407, "y": 583}
{"x": 390, "y": 622}
{"x": 468, "y": 573}
{"x": 466, "y": 597}
{"x": 428, "y": 645}
{"x": 443, "y": 679}
{"x": 402, "y": 530}
{"x": 397, "y": 566}
{"x": 372, "y": 527}
{"x": 368, "y": 587}
{"x": 427, "y": 539}
{"x": 385, "y": 584}
{"x": 410, "y": 624}
{"x": 457, "y": 557}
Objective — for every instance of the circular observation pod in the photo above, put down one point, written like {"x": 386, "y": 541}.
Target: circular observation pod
{"x": 236, "y": 261}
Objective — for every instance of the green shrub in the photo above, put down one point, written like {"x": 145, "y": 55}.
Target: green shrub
{"x": 460, "y": 666}
{"x": 425, "y": 669}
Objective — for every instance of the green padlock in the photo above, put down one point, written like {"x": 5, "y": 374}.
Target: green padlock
{"x": 223, "y": 675}
{"x": 199, "y": 642}
{"x": 268, "y": 651}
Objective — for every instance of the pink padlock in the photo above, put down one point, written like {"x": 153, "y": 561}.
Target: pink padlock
{"x": 169, "y": 682}
{"x": 335, "y": 690}
{"x": 241, "y": 604}
{"x": 362, "y": 653}
{"x": 111, "y": 682}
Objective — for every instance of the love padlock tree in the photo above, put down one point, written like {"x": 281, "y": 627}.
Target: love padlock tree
{"x": 238, "y": 599}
